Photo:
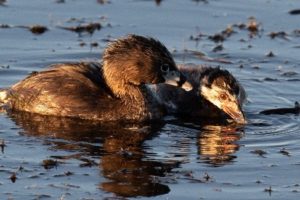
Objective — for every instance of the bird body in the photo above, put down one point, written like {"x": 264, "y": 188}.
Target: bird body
{"x": 73, "y": 90}
{"x": 113, "y": 90}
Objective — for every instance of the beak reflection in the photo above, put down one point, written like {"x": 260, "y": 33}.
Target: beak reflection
{"x": 218, "y": 143}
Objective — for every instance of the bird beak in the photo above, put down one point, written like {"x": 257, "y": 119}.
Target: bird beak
{"x": 233, "y": 109}
{"x": 177, "y": 79}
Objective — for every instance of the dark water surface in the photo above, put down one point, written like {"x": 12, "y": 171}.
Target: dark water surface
{"x": 172, "y": 159}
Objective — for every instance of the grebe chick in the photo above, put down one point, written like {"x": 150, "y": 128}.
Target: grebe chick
{"x": 215, "y": 92}
{"x": 109, "y": 91}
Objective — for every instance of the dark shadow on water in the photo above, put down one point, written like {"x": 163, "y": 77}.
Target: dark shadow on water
{"x": 119, "y": 147}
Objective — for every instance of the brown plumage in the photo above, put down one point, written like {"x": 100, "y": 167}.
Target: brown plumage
{"x": 109, "y": 92}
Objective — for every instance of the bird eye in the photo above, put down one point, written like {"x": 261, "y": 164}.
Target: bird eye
{"x": 164, "y": 68}
{"x": 223, "y": 97}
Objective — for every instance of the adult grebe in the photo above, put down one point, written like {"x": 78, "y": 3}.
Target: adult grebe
{"x": 108, "y": 91}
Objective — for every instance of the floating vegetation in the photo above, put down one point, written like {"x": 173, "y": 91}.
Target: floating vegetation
{"x": 13, "y": 177}
{"x": 279, "y": 34}
{"x": 103, "y": 2}
{"x": 198, "y": 1}
{"x": 158, "y": 2}
{"x": 38, "y": 29}
{"x": 2, "y": 145}
{"x": 49, "y": 163}
{"x": 35, "y": 29}
{"x": 84, "y": 28}
{"x": 296, "y": 32}
{"x": 207, "y": 177}
{"x": 270, "y": 79}
{"x": 5, "y": 26}
{"x": 259, "y": 152}
{"x": 94, "y": 44}
{"x": 269, "y": 190}
{"x": 283, "y": 111}
{"x": 253, "y": 25}
{"x": 218, "y": 48}
{"x": 204, "y": 57}
{"x": 270, "y": 54}
{"x": 87, "y": 162}
{"x": 295, "y": 12}
{"x": 283, "y": 151}
{"x": 218, "y": 37}
{"x": 2, "y": 2}
{"x": 60, "y": 1}
{"x": 289, "y": 73}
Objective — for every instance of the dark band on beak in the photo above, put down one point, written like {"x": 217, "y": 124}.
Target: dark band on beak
{"x": 182, "y": 80}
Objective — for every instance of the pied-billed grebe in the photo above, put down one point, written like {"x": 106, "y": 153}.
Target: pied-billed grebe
{"x": 215, "y": 92}
{"x": 108, "y": 91}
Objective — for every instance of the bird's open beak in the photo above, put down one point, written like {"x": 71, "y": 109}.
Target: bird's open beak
{"x": 233, "y": 109}
{"x": 177, "y": 79}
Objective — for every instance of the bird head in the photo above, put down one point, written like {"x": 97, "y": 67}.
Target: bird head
{"x": 220, "y": 88}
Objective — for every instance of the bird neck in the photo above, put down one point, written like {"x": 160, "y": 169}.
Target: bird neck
{"x": 132, "y": 95}
{"x": 117, "y": 80}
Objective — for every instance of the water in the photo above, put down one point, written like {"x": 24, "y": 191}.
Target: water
{"x": 174, "y": 159}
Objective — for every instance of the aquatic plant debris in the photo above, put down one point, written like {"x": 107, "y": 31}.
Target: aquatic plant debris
{"x": 89, "y": 28}
{"x": 38, "y": 29}
{"x": 202, "y": 56}
{"x": 252, "y": 24}
{"x": 279, "y": 34}
{"x": 13, "y": 177}
{"x": 259, "y": 152}
{"x": 295, "y": 12}
{"x": 35, "y": 29}
{"x": 270, "y": 54}
{"x": 87, "y": 162}
{"x": 5, "y": 26}
{"x": 2, "y": 145}
{"x": 103, "y": 2}
{"x": 283, "y": 111}
{"x": 49, "y": 163}
{"x": 60, "y": 1}
{"x": 2, "y": 2}
{"x": 269, "y": 190}
{"x": 283, "y": 151}
{"x": 218, "y": 48}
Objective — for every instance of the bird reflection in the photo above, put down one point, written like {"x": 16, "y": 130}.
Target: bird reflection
{"x": 130, "y": 176}
{"x": 117, "y": 145}
{"x": 218, "y": 143}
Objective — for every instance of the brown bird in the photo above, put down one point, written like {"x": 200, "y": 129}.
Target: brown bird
{"x": 108, "y": 91}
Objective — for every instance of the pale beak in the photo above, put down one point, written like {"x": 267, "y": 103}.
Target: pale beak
{"x": 176, "y": 78}
{"x": 233, "y": 109}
